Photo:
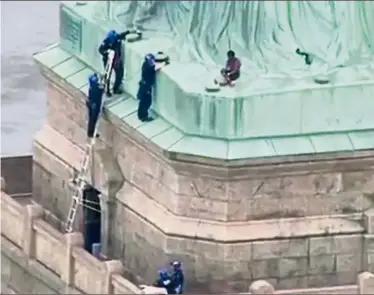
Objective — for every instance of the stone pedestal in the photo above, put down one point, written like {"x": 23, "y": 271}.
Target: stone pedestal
{"x": 294, "y": 221}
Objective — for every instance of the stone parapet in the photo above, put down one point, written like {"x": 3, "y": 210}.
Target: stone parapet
{"x": 365, "y": 285}
{"x": 63, "y": 254}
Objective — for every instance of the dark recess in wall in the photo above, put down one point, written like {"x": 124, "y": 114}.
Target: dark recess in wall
{"x": 17, "y": 172}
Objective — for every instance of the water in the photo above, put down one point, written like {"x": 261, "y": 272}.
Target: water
{"x": 26, "y": 27}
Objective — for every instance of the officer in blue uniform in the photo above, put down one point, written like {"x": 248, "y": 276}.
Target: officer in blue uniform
{"x": 147, "y": 81}
{"x": 164, "y": 281}
{"x": 94, "y": 101}
{"x": 113, "y": 41}
{"x": 177, "y": 277}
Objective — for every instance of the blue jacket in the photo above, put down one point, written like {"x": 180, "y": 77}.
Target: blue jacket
{"x": 95, "y": 97}
{"x": 148, "y": 74}
{"x": 167, "y": 284}
{"x": 178, "y": 281}
{"x": 113, "y": 41}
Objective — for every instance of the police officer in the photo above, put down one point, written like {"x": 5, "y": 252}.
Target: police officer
{"x": 94, "y": 101}
{"x": 147, "y": 81}
{"x": 164, "y": 281}
{"x": 177, "y": 277}
{"x": 144, "y": 96}
{"x": 113, "y": 41}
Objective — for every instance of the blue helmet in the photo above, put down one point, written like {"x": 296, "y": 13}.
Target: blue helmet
{"x": 93, "y": 79}
{"x": 111, "y": 36}
{"x": 163, "y": 274}
{"x": 150, "y": 58}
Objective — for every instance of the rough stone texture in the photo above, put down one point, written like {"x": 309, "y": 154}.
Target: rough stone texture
{"x": 261, "y": 287}
{"x": 54, "y": 192}
{"x": 369, "y": 220}
{"x": 2, "y": 183}
{"x": 196, "y": 196}
{"x": 366, "y": 283}
{"x": 21, "y": 277}
{"x": 206, "y": 193}
{"x": 18, "y": 180}
{"x": 37, "y": 259}
{"x": 369, "y": 250}
{"x": 288, "y": 266}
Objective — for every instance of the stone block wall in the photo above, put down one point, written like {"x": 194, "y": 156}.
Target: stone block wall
{"x": 19, "y": 180}
{"x": 251, "y": 192}
{"x": 365, "y": 285}
{"x": 316, "y": 261}
{"x": 36, "y": 259}
{"x": 293, "y": 262}
{"x": 44, "y": 255}
{"x": 285, "y": 222}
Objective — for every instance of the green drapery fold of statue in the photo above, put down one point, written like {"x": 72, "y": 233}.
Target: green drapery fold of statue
{"x": 264, "y": 34}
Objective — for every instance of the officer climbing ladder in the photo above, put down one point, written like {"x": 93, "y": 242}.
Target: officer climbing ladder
{"x": 80, "y": 180}
{"x": 113, "y": 60}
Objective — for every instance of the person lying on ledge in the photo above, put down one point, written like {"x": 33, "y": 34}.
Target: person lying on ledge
{"x": 231, "y": 72}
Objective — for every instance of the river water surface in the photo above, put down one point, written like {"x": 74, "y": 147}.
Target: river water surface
{"x": 26, "y": 27}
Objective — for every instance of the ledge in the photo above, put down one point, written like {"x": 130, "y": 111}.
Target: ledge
{"x": 224, "y": 232}
{"x": 33, "y": 267}
{"x": 234, "y": 232}
{"x": 57, "y": 62}
{"x": 58, "y": 257}
{"x": 258, "y": 106}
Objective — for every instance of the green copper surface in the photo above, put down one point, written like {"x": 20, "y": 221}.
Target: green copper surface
{"x": 172, "y": 139}
{"x": 276, "y": 108}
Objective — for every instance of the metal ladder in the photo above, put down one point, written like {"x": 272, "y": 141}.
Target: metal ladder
{"x": 80, "y": 180}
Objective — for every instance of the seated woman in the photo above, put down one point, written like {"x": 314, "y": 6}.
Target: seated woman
{"x": 232, "y": 70}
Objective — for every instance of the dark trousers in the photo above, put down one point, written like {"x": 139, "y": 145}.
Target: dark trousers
{"x": 119, "y": 72}
{"x": 93, "y": 116}
{"x": 232, "y": 77}
{"x": 145, "y": 102}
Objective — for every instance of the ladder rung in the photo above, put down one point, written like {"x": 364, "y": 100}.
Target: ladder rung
{"x": 79, "y": 181}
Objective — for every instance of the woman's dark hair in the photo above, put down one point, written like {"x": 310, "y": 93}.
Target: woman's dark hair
{"x": 230, "y": 53}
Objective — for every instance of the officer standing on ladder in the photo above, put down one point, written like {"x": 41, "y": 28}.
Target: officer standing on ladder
{"x": 94, "y": 105}
{"x": 113, "y": 41}
{"x": 94, "y": 102}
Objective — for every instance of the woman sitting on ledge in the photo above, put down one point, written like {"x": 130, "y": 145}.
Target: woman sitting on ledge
{"x": 232, "y": 70}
